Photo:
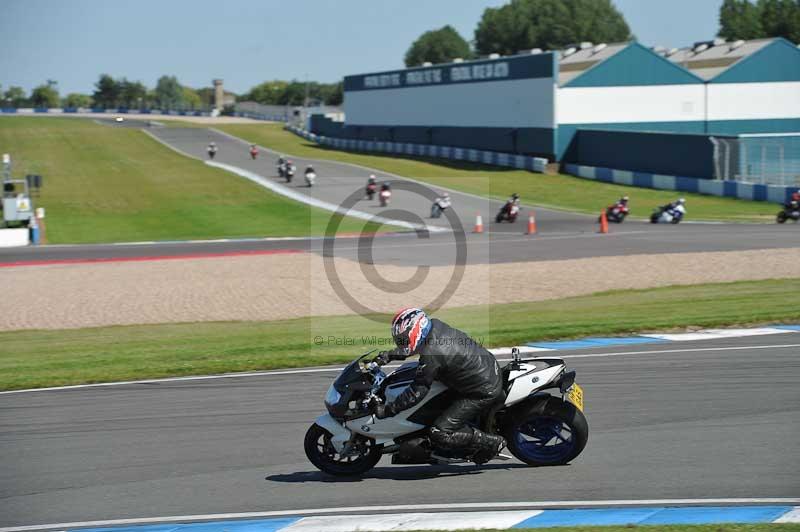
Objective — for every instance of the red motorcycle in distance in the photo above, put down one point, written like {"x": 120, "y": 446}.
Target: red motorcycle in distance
{"x": 508, "y": 212}
{"x": 253, "y": 152}
{"x": 616, "y": 213}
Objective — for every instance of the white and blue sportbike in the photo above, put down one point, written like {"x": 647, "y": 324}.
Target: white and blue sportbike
{"x": 541, "y": 418}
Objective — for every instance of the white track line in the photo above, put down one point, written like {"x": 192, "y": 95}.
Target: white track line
{"x": 417, "y": 507}
{"x": 314, "y": 202}
{"x": 554, "y": 353}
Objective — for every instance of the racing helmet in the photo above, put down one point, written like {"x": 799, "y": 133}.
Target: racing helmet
{"x": 624, "y": 199}
{"x": 445, "y": 195}
{"x": 410, "y": 327}
{"x": 681, "y": 201}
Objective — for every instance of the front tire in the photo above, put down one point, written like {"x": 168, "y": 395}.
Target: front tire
{"x": 781, "y": 218}
{"x": 554, "y": 436}
{"x": 321, "y": 453}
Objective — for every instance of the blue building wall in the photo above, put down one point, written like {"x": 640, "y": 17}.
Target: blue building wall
{"x": 678, "y": 154}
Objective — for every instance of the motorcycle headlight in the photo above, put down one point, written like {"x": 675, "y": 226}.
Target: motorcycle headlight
{"x": 333, "y": 396}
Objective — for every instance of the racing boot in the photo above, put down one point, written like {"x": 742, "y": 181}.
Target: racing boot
{"x": 487, "y": 446}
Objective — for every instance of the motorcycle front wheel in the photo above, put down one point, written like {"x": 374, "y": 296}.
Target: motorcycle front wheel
{"x": 781, "y": 218}
{"x": 323, "y": 455}
{"x": 553, "y": 437}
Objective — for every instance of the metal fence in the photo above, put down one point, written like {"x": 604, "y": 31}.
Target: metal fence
{"x": 767, "y": 159}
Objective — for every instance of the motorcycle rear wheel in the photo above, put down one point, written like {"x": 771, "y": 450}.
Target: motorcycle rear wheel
{"x": 553, "y": 437}
{"x": 321, "y": 453}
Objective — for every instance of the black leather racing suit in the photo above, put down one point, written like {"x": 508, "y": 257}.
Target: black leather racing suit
{"x": 462, "y": 364}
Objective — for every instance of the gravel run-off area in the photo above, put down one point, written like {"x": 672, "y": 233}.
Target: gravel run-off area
{"x": 269, "y": 287}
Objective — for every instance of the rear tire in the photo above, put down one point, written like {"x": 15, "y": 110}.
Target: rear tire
{"x": 560, "y": 423}
{"x": 320, "y": 452}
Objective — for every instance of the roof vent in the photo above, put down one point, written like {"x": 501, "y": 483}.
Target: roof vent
{"x": 700, "y": 48}
{"x": 585, "y": 45}
{"x": 736, "y": 44}
{"x": 458, "y": 60}
{"x": 536, "y": 51}
{"x": 494, "y": 56}
{"x": 671, "y": 52}
{"x": 427, "y": 63}
{"x": 599, "y": 48}
{"x": 719, "y": 41}
{"x": 569, "y": 51}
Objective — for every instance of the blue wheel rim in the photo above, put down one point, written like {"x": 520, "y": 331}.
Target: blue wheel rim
{"x": 545, "y": 439}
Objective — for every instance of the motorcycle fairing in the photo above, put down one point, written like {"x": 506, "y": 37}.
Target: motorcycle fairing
{"x": 387, "y": 429}
{"x": 530, "y": 376}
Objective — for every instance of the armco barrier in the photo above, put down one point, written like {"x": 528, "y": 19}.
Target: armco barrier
{"x": 510, "y": 160}
{"x": 712, "y": 187}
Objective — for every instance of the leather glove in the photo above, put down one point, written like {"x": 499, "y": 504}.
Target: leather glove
{"x": 384, "y": 357}
{"x": 383, "y": 411}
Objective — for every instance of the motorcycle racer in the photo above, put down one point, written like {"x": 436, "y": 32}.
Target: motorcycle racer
{"x": 462, "y": 364}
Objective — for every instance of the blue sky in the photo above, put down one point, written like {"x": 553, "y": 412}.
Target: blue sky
{"x": 246, "y": 42}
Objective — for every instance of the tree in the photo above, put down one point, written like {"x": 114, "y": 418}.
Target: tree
{"x": 739, "y": 19}
{"x": 46, "y": 95}
{"x": 780, "y": 18}
{"x": 107, "y": 92}
{"x": 169, "y": 93}
{"x": 75, "y": 100}
{"x": 131, "y": 93}
{"x": 267, "y": 93}
{"x": 548, "y": 24}
{"x": 15, "y": 97}
{"x": 191, "y": 99}
{"x": 437, "y": 46}
{"x": 206, "y": 95}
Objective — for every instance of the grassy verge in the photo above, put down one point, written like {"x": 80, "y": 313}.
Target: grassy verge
{"x": 30, "y": 359}
{"x": 765, "y": 527}
{"x": 106, "y": 184}
{"x": 560, "y": 191}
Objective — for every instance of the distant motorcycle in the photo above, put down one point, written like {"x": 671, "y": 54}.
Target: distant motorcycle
{"x": 616, "y": 213}
{"x": 789, "y": 212}
{"x": 441, "y": 204}
{"x": 311, "y": 177}
{"x": 384, "y": 196}
{"x": 287, "y": 171}
{"x": 253, "y": 152}
{"x": 668, "y": 214}
{"x": 508, "y": 212}
{"x": 371, "y": 189}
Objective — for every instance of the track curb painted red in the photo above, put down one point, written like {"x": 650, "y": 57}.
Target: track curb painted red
{"x": 151, "y": 258}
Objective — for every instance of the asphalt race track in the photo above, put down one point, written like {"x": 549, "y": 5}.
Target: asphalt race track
{"x": 562, "y": 235}
{"x": 718, "y": 418}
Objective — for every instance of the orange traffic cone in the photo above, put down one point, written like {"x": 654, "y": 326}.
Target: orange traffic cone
{"x": 478, "y": 224}
{"x": 531, "y": 224}
{"x": 603, "y": 222}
